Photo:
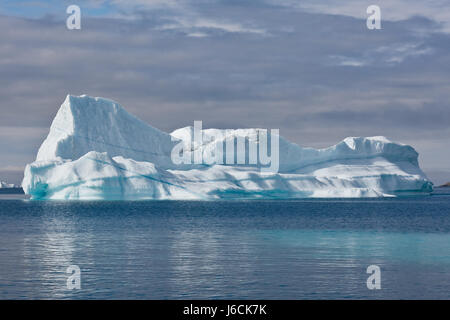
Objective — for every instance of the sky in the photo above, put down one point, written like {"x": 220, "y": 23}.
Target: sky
{"x": 309, "y": 68}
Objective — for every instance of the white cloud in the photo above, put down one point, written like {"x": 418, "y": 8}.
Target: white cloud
{"x": 397, "y": 54}
{"x": 148, "y": 4}
{"x": 391, "y": 10}
{"x": 347, "y": 61}
{"x": 188, "y": 25}
{"x": 383, "y": 55}
{"x": 197, "y": 35}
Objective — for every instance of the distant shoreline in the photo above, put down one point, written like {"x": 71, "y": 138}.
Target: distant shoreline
{"x": 11, "y": 191}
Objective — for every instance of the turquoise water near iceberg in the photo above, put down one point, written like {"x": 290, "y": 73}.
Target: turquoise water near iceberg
{"x": 298, "y": 249}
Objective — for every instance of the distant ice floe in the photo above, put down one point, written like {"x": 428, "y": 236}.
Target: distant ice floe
{"x": 4, "y": 185}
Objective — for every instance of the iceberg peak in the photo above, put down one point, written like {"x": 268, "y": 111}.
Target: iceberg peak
{"x": 85, "y": 124}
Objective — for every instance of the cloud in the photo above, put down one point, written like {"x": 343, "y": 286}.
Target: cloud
{"x": 393, "y": 54}
{"x": 199, "y": 27}
{"x": 347, "y": 61}
{"x": 391, "y": 10}
{"x": 398, "y": 53}
{"x": 197, "y": 34}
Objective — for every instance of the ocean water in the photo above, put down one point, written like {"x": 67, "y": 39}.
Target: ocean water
{"x": 298, "y": 249}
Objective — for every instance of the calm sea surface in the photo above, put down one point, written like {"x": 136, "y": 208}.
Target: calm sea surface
{"x": 302, "y": 249}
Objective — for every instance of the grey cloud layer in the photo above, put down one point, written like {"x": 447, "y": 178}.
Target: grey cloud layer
{"x": 317, "y": 77}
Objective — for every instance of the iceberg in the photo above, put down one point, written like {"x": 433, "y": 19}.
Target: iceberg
{"x": 96, "y": 150}
{"x": 4, "y": 185}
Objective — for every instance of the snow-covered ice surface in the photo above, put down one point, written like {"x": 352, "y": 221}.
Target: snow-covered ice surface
{"x": 6, "y": 185}
{"x": 97, "y": 150}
